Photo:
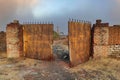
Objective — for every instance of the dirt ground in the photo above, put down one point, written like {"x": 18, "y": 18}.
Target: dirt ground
{"x": 31, "y": 69}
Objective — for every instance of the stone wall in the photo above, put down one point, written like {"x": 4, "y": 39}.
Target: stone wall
{"x": 101, "y": 35}
{"x": 114, "y": 41}
{"x": 100, "y": 45}
{"x": 14, "y": 39}
{"x": 114, "y": 50}
{"x": 100, "y": 51}
{"x": 106, "y": 40}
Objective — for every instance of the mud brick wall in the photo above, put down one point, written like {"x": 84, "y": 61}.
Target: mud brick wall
{"x": 100, "y": 40}
{"x": 114, "y": 35}
{"x": 106, "y": 40}
{"x": 79, "y": 41}
{"x": 114, "y": 41}
{"x": 101, "y": 51}
{"x": 2, "y": 41}
{"x": 38, "y": 40}
{"x": 101, "y": 35}
{"x": 14, "y": 39}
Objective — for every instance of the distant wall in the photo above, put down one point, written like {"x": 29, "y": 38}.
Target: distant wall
{"x": 114, "y": 41}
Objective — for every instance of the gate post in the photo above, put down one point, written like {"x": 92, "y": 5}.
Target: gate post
{"x": 14, "y": 39}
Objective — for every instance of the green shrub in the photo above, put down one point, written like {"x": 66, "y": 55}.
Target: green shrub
{"x": 55, "y": 35}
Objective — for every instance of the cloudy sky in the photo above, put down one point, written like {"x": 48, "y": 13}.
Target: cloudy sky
{"x": 59, "y": 11}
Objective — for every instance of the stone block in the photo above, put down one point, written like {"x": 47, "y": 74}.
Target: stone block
{"x": 101, "y": 51}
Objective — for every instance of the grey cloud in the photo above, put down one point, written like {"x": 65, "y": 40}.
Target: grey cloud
{"x": 12, "y": 9}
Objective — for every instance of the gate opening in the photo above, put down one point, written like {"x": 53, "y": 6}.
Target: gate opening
{"x": 60, "y": 49}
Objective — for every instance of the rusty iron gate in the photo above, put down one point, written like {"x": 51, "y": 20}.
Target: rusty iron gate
{"x": 38, "y": 40}
{"x": 79, "y": 41}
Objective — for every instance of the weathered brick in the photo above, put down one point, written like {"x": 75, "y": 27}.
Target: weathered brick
{"x": 14, "y": 40}
{"x": 101, "y": 51}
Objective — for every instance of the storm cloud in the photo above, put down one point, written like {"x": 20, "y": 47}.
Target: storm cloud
{"x": 59, "y": 11}
{"x": 15, "y": 9}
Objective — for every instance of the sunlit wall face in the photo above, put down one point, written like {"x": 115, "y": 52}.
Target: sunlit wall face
{"x": 59, "y": 11}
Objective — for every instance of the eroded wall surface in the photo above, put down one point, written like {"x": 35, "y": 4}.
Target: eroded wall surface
{"x": 101, "y": 47}
{"x": 14, "y": 39}
{"x": 106, "y": 40}
{"x": 114, "y": 41}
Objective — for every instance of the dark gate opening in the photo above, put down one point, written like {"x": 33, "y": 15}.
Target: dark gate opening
{"x": 74, "y": 48}
{"x": 60, "y": 49}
